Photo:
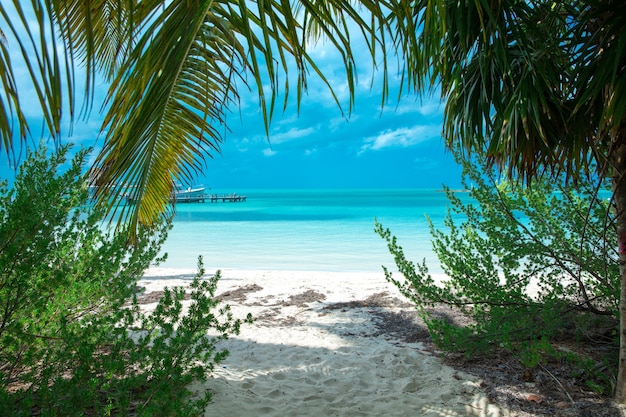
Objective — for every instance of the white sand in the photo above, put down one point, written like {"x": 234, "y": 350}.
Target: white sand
{"x": 307, "y": 360}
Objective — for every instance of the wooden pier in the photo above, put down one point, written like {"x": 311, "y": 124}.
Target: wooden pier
{"x": 231, "y": 198}
{"x": 211, "y": 198}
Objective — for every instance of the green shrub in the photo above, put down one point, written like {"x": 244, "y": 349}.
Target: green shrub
{"x": 73, "y": 340}
{"x": 526, "y": 265}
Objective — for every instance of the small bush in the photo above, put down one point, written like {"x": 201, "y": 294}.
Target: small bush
{"x": 527, "y": 265}
{"x": 73, "y": 340}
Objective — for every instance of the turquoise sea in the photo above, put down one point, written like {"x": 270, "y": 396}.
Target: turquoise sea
{"x": 306, "y": 229}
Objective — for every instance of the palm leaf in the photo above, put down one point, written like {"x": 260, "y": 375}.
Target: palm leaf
{"x": 505, "y": 72}
{"x": 168, "y": 103}
{"x": 10, "y": 108}
{"x": 37, "y": 47}
{"x": 175, "y": 69}
{"x": 99, "y": 35}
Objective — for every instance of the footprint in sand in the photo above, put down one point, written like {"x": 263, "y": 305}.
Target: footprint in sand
{"x": 412, "y": 386}
{"x": 275, "y": 394}
{"x": 279, "y": 376}
{"x": 247, "y": 385}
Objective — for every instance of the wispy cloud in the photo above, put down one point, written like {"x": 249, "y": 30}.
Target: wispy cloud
{"x": 336, "y": 123}
{"x": 404, "y": 137}
{"x": 418, "y": 106}
{"x": 293, "y": 133}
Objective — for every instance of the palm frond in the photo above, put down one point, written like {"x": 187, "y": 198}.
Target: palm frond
{"x": 505, "y": 71}
{"x": 99, "y": 35}
{"x": 161, "y": 120}
{"x": 10, "y": 108}
{"x": 168, "y": 104}
{"x": 600, "y": 57}
{"x": 49, "y": 71}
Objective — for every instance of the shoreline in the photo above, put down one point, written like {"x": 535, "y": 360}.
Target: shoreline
{"x": 319, "y": 347}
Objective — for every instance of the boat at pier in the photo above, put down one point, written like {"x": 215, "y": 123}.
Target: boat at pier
{"x": 189, "y": 194}
{"x": 196, "y": 194}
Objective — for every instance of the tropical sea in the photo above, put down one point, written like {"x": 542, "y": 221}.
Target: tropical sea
{"x": 305, "y": 229}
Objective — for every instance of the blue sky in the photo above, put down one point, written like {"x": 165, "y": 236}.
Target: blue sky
{"x": 395, "y": 146}
{"x": 398, "y": 146}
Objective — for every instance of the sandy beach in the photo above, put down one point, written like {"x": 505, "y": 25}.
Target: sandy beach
{"x": 321, "y": 345}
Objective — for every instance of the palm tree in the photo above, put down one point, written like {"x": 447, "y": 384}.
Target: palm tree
{"x": 175, "y": 69}
{"x": 537, "y": 86}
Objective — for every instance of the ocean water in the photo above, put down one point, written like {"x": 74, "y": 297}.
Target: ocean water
{"x": 330, "y": 230}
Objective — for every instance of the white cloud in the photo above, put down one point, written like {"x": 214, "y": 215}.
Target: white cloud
{"x": 269, "y": 152}
{"x": 404, "y": 137}
{"x": 339, "y": 122}
{"x": 286, "y": 120}
{"x": 424, "y": 108}
{"x": 291, "y": 134}
{"x": 242, "y": 145}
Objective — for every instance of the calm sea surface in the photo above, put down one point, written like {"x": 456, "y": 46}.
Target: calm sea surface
{"x": 330, "y": 230}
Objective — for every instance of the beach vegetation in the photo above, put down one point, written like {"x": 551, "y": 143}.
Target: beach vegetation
{"x": 530, "y": 267}
{"x": 537, "y": 87}
{"x": 73, "y": 338}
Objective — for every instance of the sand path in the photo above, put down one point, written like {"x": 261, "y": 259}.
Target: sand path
{"x": 317, "y": 349}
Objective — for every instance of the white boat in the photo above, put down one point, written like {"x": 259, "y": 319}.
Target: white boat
{"x": 189, "y": 194}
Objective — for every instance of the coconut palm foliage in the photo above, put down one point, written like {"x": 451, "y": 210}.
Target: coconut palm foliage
{"x": 538, "y": 86}
{"x": 518, "y": 77}
{"x": 174, "y": 69}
